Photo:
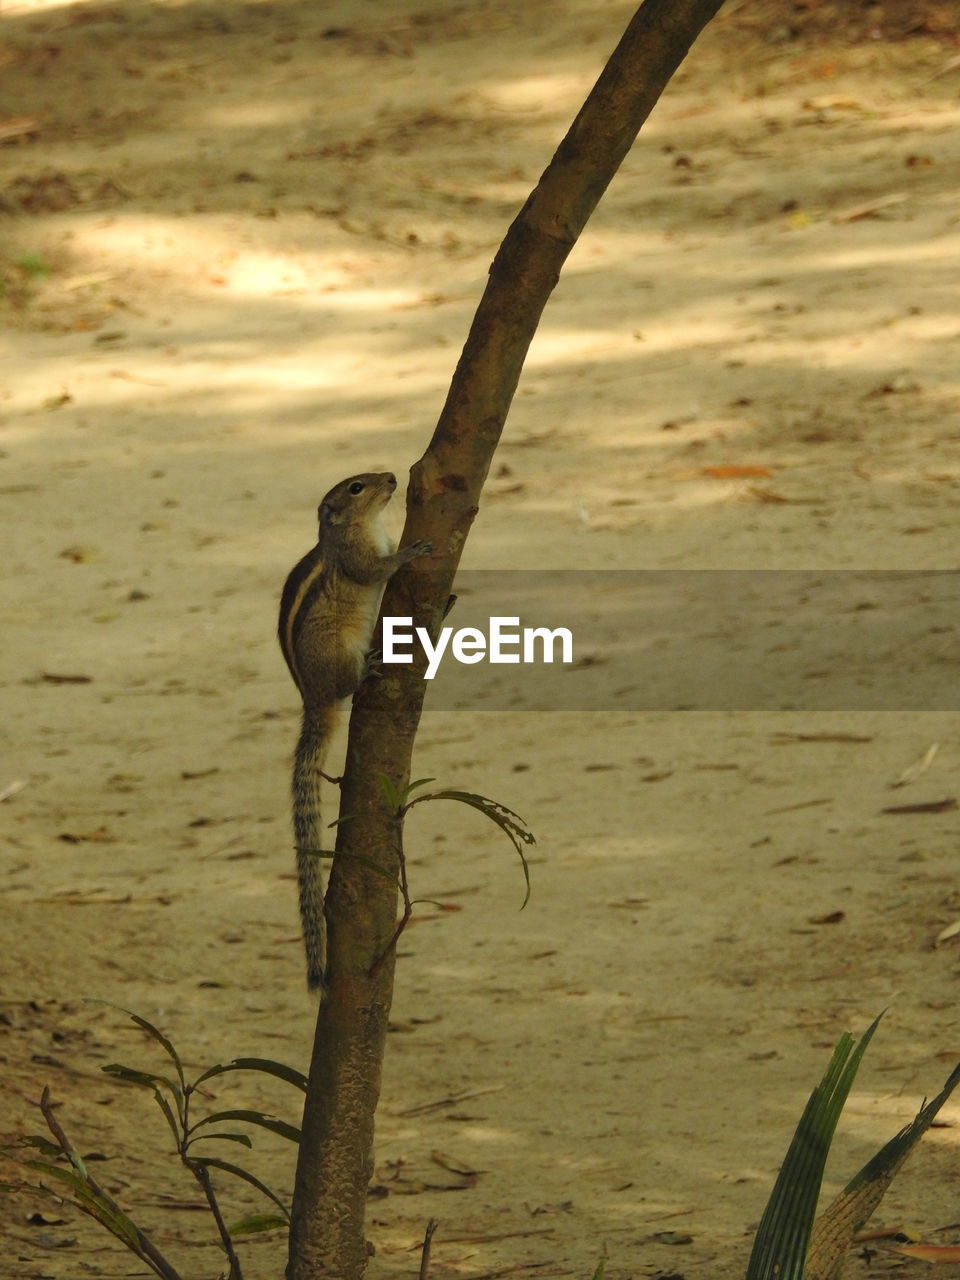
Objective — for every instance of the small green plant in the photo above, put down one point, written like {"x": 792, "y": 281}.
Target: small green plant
{"x": 175, "y": 1096}
{"x": 790, "y": 1243}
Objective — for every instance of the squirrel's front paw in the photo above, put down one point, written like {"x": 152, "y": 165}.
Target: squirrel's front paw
{"x": 417, "y": 549}
{"x": 372, "y": 665}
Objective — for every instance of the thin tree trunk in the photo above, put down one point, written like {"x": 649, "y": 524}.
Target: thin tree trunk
{"x": 326, "y": 1235}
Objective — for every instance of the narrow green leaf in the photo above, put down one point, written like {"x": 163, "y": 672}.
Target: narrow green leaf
{"x": 175, "y": 1128}
{"x": 893, "y": 1152}
{"x": 256, "y": 1222}
{"x": 397, "y": 799}
{"x": 273, "y": 1068}
{"x": 69, "y": 1176}
{"x": 510, "y": 823}
{"x": 251, "y": 1117}
{"x": 390, "y": 791}
{"x": 344, "y": 817}
{"x": 780, "y": 1246}
{"x": 165, "y": 1044}
{"x": 151, "y": 1030}
{"x": 314, "y": 853}
{"x": 111, "y": 1216}
{"x": 210, "y": 1162}
{"x": 267, "y": 1065}
{"x": 148, "y": 1080}
{"x": 243, "y": 1138}
{"x": 42, "y": 1144}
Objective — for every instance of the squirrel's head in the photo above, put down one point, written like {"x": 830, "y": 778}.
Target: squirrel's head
{"x": 356, "y": 498}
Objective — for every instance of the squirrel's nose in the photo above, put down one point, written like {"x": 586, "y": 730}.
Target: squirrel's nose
{"x": 391, "y": 480}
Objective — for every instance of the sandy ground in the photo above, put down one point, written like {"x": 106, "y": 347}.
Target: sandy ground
{"x": 241, "y": 247}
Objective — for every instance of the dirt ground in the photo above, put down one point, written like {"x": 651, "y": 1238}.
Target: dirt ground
{"x": 241, "y": 247}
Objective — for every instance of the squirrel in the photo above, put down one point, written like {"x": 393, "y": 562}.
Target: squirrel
{"x": 328, "y": 611}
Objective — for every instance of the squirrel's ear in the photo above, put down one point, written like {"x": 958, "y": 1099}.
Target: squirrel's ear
{"x": 327, "y": 514}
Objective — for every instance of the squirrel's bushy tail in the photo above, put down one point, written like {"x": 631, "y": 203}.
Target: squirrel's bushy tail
{"x": 308, "y": 834}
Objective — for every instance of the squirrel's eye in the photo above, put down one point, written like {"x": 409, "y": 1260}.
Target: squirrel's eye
{"x": 357, "y": 487}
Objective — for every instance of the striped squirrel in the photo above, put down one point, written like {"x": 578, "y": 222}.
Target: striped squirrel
{"x": 328, "y": 611}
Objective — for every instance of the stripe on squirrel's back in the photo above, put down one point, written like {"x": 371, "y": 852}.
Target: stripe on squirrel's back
{"x": 299, "y": 582}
